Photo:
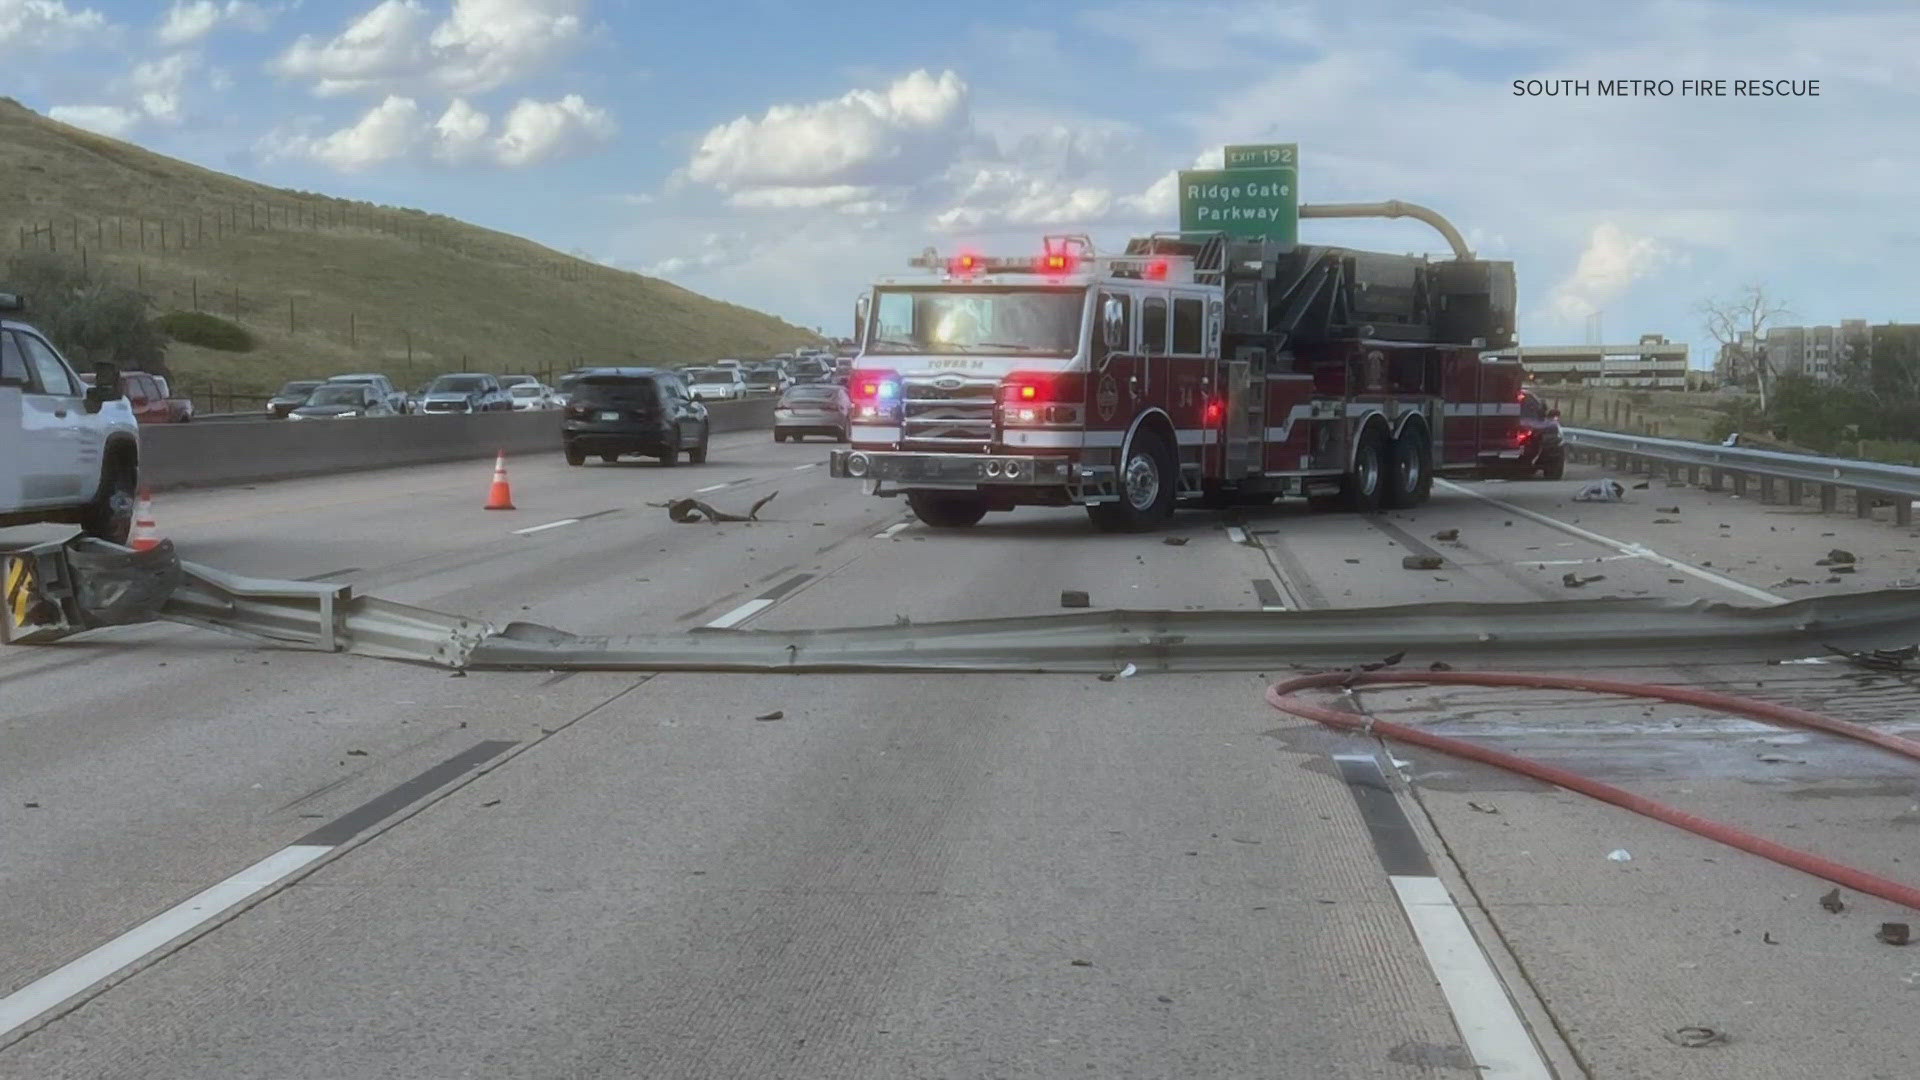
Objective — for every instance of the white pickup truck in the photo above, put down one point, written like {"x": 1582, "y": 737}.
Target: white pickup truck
{"x": 69, "y": 452}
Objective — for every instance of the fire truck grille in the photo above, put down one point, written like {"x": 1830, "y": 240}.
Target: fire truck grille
{"x": 947, "y": 412}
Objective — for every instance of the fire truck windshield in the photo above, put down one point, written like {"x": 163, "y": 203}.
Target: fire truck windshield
{"x": 971, "y": 321}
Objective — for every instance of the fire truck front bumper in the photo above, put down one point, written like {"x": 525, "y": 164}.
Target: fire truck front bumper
{"x": 907, "y": 469}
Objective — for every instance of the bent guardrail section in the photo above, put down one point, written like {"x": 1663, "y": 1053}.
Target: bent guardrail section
{"x": 1781, "y": 477}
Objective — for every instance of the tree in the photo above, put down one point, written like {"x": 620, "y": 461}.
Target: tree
{"x": 1739, "y": 323}
{"x": 86, "y": 318}
{"x": 1893, "y": 362}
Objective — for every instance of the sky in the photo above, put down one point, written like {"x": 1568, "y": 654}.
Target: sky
{"x": 782, "y": 155}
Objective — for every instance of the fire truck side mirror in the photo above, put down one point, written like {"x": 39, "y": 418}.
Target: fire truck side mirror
{"x": 860, "y": 308}
{"x": 1113, "y": 324}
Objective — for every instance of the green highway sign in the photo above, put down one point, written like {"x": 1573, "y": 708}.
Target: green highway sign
{"x": 1242, "y": 202}
{"x": 1264, "y": 156}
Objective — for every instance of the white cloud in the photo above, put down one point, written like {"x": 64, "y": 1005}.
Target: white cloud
{"x": 791, "y": 198}
{"x": 398, "y": 129}
{"x": 536, "y": 131}
{"x": 1612, "y": 262}
{"x": 158, "y": 85}
{"x": 105, "y": 119}
{"x": 46, "y": 24}
{"x": 861, "y": 137}
{"x": 188, "y": 21}
{"x": 479, "y": 45}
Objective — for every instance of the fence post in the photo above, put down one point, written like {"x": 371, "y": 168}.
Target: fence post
{"x": 353, "y": 336}
{"x": 289, "y": 314}
{"x": 196, "y": 293}
{"x": 236, "y": 302}
{"x": 409, "y": 347}
{"x": 140, "y": 275}
{"x": 53, "y": 239}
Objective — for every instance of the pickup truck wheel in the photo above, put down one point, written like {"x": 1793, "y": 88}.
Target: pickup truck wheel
{"x": 945, "y": 511}
{"x": 574, "y": 456}
{"x": 698, "y": 455}
{"x": 109, "y": 516}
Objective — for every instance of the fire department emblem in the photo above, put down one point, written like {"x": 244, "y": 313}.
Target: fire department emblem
{"x": 1109, "y": 397}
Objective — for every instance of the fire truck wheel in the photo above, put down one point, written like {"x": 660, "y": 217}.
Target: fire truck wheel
{"x": 1366, "y": 483}
{"x": 944, "y": 511}
{"x": 1146, "y": 488}
{"x": 1411, "y": 480}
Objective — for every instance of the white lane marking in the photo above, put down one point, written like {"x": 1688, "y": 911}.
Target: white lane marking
{"x": 1578, "y": 562}
{"x": 1273, "y": 607}
{"x": 548, "y": 525}
{"x": 1487, "y": 1020}
{"x": 1236, "y": 534}
{"x": 63, "y": 983}
{"x": 741, "y": 614}
{"x": 888, "y": 532}
{"x": 1620, "y": 546}
{"x": 712, "y": 487}
{"x": 808, "y": 465}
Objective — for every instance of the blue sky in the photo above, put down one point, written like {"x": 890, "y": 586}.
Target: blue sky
{"x": 780, "y": 155}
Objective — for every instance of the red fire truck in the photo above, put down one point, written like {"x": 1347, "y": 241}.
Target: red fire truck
{"x": 1193, "y": 369}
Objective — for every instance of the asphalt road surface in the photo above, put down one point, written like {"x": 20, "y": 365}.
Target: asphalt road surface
{"x": 622, "y": 875}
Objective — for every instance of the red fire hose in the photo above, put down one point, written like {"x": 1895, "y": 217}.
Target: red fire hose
{"x": 1280, "y": 697}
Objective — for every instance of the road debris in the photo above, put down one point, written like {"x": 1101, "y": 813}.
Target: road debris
{"x": 776, "y": 714}
{"x": 1602, "y": 491}
{"x": 1693, "y": 1038}
{"x": 1879, "y": 659}
{"x": 1385, "y": 662}
{"x": 1127, "y": 672}
{"x": 1785, "y": 582}
{"x": 1081, "y": 963}
{"x": 690, "y": 510}
{"x": 1838, "y": 556}
{"x": 1767, "y": 937}
{"x": 1074, "y": 598}
{"x": 1893, "y": 933}
{"x": 356, "y": 753}
{"x": 1447, "y": 535}
{"x": 1175, "y": 541}
{"x": 1439, "y": 665}
{"x": 1667, "y": 509}
{"x": 1353, "y": 560}
{"x": 1619, "y": 855}
{"x": 1832, "y": 902}
{"x": 1643, "y": 485}
{"x": 1574, "y": 581}
{"x": 1483, "y": 808}
{"x": 490, "y": 803}
{"x": 1421, "y": 562}
{"x": 1666, "y": 521}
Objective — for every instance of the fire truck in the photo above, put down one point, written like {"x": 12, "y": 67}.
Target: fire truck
{"x": 1191, "y": 369}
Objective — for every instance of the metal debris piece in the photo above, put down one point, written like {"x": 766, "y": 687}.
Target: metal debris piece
{"x": 1574, "y": 581}
{"x": 1447, "y": 535}
{"x": 686, "y": 511}
{"x": 1879, "y": 659}
{"x": 1483, "y": 808}
{"x": 1767, "y": 937}
{"x": 1385, "y": 662}
{"x": 1175, "y": 541}
{"x": 1668, "y": 509}
{"x": 1832, "y": 902}
{"x": 1602, "y": 491}
{"x": 1893, "y": 933}
{"x": 1693, "y": 1038}
{"x": 1643, "y": 485}
{"x": 1074, "y": 598}
{"x": 1666, "y": 521}
{"x": 1841, "y": 555}
{"x": 1439, "y": 665}
{"x": 774, "y": 715}
{"x": 1785, "y": 582}
{"x": 1082, "y": 963}
{"x": 1421, "y": 562}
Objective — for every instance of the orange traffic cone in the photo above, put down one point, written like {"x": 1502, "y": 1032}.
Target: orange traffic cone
{"x": 501, "y": 497}
{"x": 146, "y": 536}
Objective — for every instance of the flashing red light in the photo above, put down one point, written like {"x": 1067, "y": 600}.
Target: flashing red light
{"x": 966, "y": 264}
{"x": 874, "y": 386}
{"x": 1523, "y": 436}
{"x": 1026, "y": 387}
{"x": 1156, "y": 270}
{"x": 1215, "y": 410}
{"x": 1056, "y": 262}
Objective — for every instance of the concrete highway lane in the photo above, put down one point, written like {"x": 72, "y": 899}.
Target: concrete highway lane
{"x": 616, "y": 875}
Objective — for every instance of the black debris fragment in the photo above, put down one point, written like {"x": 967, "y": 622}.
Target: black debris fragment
{"x": 1175, "y": 541}
{"x": 1832, "y": 902}
{"x": 1082, "y": 963}
{"x": 1420, "y": 562}
{"x": 1693, "y": 1038}
{"x": 1439, "y": 665}
{"x": 1483, "y": 808}
{"x": 490, "y": 802}
{"x": 1643, "y": 485}
{"x": 776, "y": 714}
{"x": 685, "y": 511}
{"x": 356, "y": 753}
{"x": 31, "y": 805}
{"x": 1385, "y": 662}
{"x": 1879, "y": 659}
{"x": 1785, "y": 582}
{"x": 1893, "y": 933}
{"x": 1074, "y": 598}
{"x": 1666, "y": 521}
{"x": 1574, "y": 581}
{"x": 1668, "y": 509}
{"x": 1353, "y": 560}
{"x": 1447, "y": 535}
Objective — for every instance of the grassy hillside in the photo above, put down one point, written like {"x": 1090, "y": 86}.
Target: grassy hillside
{"x": 328, "y": 285}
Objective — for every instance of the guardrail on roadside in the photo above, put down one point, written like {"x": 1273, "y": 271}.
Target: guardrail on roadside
{"x": 1781, "y": 477}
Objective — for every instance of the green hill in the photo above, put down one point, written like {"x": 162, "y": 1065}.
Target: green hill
{"x": 325, "y": 285}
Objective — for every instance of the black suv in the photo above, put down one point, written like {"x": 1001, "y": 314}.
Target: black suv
{"x": 625, "y": 410}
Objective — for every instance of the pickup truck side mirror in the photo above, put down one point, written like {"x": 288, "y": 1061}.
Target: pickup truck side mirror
{"x": 105, "y": 388}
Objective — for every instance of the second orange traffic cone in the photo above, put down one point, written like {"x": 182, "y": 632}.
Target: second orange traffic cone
{"x": 145, "y": 535}
{"x": 501, "y": 497}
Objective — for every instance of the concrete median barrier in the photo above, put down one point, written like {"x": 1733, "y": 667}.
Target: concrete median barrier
{"x": 209, "y": 455}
